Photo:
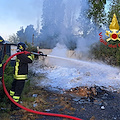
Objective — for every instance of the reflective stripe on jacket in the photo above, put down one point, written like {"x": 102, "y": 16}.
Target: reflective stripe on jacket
{"x": 21, "y": 67}
{"x": 1, "y": 71}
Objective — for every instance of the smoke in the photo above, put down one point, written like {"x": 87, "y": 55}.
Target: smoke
{"x": 68, "y": 28}
{"x": 88, "y": 32}
{"x": 59, "y": 51}
{"x": 79, "y": 32}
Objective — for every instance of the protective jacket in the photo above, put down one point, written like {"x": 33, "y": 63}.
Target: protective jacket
{"x": 21, "y": 66}
{"x": 1, "y": 71}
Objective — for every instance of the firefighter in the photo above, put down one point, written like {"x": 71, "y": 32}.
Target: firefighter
{"x": 20, "y": 74}
{"x": 1, "y": 56}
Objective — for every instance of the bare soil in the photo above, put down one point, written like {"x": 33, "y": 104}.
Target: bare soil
{"x": 86, "y": 103}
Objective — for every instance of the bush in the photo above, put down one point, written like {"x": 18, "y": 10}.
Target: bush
{"x": 30, "y": 47}
{"x": 8, "y": 78}
{"x": 106, "y": 54}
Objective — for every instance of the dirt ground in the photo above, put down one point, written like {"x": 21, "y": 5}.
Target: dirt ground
{"x": 88, "y": 104}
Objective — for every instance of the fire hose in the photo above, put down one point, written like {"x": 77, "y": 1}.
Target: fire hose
{"x": 27, "y": 109}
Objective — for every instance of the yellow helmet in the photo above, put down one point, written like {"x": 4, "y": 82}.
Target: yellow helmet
{"x": 21, "y": 47}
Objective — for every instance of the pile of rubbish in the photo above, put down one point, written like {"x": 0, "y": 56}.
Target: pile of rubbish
{"x": 95, "y": 94}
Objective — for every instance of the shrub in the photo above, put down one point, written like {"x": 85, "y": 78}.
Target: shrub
{"x": 8, "y": 78}
{"x": 106, "y": 54}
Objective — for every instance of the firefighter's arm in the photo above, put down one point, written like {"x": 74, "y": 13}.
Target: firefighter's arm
{"x": 25, "y": 58}
{"x": 31, "y": 57}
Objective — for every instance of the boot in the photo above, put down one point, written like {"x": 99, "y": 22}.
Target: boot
{"x": 14, "y": 107}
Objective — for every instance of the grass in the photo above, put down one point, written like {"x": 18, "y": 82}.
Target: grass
{"x": 4, "y": 116}
{"x": 44, "y": 101}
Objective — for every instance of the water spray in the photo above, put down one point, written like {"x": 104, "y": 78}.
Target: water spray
{"x": 80, "y": 62}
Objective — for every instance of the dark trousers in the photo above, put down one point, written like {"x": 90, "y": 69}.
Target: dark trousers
{"x": 17, "y": 88}
{"x": 15, "y": 92}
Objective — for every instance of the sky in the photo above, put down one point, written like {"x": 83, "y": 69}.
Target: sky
{"x": 17, "y": 13}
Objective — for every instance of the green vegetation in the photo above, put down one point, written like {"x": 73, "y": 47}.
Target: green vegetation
{"x": 100, "y": 51}
{"x": 8, "y": 78}
{"x": 30, "y": 48}
{"x": 106, "y": 54}
{"x": 114, "y": 8}
{"x": 96, "y": 11}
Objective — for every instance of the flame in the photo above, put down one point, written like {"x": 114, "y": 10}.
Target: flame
{"x": 114, "y": 26}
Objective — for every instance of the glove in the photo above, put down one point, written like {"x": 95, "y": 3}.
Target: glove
{"x": 40, "y": 53}
{"x": 1, "y": 71}
{"x": 33, "y": 56}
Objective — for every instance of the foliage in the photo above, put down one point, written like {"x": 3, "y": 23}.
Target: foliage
{"x": 114, "y": 8}
{"x": 29, "y": 33}
{"x": 4, "y": 101}
{"x": 97, "y": 11}
{"x": 21, "y": 35}
{"x": 24, "y": 35}
{"x": 8, "y": 78}
{"x": 106, "y": 54}
{"x": 52, "y": 23}
{"x": 30, "y": 48}
{"x": 14, "y": 39}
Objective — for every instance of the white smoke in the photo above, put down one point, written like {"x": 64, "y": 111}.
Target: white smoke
{"x": 84, "y": 30}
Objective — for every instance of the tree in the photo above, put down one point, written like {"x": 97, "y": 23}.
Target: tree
{"x": 14, "y": 39}
{"x": 59, "y": 23}
{"x": 70, "y": 15}
{"x": 21, "y": 35}
{"x": 29, "y": 33}
{"x": 96, "y": 11}
{"x": 52, "y": 22}
{"x": 114, "y": 8}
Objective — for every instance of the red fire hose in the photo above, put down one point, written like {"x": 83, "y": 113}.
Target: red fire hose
{"x": 22, "y": 107}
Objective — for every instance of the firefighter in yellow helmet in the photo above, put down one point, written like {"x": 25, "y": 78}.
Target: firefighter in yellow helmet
{"x": 1, "y": 55}
{"x": 20, "y": 74}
